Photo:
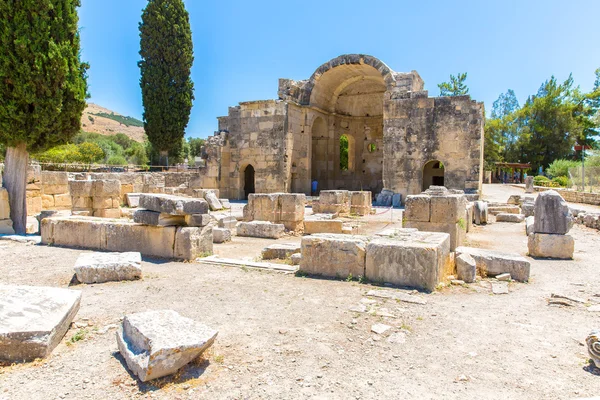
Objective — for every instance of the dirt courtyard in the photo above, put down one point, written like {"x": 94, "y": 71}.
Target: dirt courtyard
{"x": 288, "y": 337}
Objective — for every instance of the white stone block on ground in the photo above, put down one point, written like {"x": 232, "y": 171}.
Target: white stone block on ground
{"x": 515, "y": 218}
{"x": 213, "y": 201}
{"x": 420, "y": 259}
{"x": 333, "y": 255}
{"x": 221, "y": 235}
{"x": 552, "y": 214}
{"x": 193, "y": 242}
{"x": 158, "y": 343}
{"x": 154, "y": 218}
{"x": 174, "y": 205}
{"x": 492, "y": 263}
{"x": 280, "y": 250}
{"x": 133, "y": 199}
{"x": 260, "y": 229}
{"x": 105, "y": 267}
{"x": 228, "y": 222}
{"x": 225, "y": 203}
{"x": 33, "y": 320}
{"x": 551, "y": 246}
{"x": 466, "y": 268}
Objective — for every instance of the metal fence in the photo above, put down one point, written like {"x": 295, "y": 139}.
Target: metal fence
{"x": 585, "y": 179}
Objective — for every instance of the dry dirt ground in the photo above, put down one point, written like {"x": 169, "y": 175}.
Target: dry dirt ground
{"x": 288, "y": 337}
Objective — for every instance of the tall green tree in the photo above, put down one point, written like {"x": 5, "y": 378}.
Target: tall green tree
{"x": 42, "y": 86}
{"x": 166, "y": 50}
{"x": 456, "y": 86}
{"x": 195, "y": 146}
{"x": 506, "y": 104}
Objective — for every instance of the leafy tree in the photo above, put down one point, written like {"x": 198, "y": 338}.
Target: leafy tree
{"x": 561, "y": 167}
{"x": 195, "y": 147}
{"x": 122, "y": 140}
{"x": 456, "y": 86}
{"x": 167, "y": 88}
{"x": 136, "y": 154}
{"x": 66, "y": 153}
{"x": 116, "y": 160}
{"x": 42, "y": 86}
{"x": 90, "y": 153}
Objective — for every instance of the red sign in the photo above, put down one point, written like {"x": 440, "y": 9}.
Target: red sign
{"x": 579, "y": 147}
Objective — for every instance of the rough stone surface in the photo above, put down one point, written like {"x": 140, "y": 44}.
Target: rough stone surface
{"x": 506, "y": 209}
{"x": 593, "y": 345}
{"x": 280, "y": 251}
{"x": 279, "y": 208}
{"x": 174, "y": 205}
{"x": 333, "y": 202}
{"x": 6, "y": 227}
{"x": 221, "y": 235}
{"x": 504, "y": 217}
{"x": 492, "y": 263}
{"x": 106, "y": 267}
{"x": 106, "y": 188}
{"x": 480, "y": 213}
{"x": 227, "y": 222}
{"x": 260, "y": 229}
{"x": 191, "y": 242}
{"x": 551, "y": 246}
{"x": 397, "y": 200}
{"x": 333, "y": 255}
{"x": 529, "y": 224}
{"x": 148, "y": 217}
{"x": 320, "y": 225}
{"x": 552, "y": 214}
{"x": 213, "y": 201}
{"x": 456, "y": 231}
{"x": 296, "y": 258}
{"x": 529, "y": 184}
{"x": 385, "y": 198}
{"x": 158, "y": 343}
{"x": 466, "y": 268}
{"x": 133, "y": 199}
{"x": 528, "y": 209}
{"x": 419, "y": 259}
{"x": 33, "y": 320}
{"x": 360, "y": 202}
{"x": 198, "y": 220}
{"x": 418, "y": 208}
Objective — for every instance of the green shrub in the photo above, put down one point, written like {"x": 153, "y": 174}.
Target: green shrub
{"x": 561, "y": 167}
{"x": 561, "y": 180}
{"x": 68, "y": 153}
{"x": 90, "y": 153}
{"x": 116, "y": 159}
{"x": 539, "y": 179}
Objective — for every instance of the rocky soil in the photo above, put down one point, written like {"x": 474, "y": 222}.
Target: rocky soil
{"x": 288, "y": 337}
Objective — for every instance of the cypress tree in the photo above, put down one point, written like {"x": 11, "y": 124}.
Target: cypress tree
{"x": 166, "y": 50}
{"x": 42, "y": 86}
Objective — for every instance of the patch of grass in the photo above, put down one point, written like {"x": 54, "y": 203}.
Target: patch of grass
{"x": 349, "y": 278}
{"x": 77, "y": 336}
{"x": 219, "y": 358}
{"x": 406, "y": 327}
{"x": 462, "y": 223}
{"x": 301, "y": 274}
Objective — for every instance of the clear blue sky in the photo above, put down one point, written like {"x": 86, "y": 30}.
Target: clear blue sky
{"x": 241, "y": 48}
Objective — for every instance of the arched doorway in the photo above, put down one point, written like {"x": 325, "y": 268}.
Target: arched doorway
{"x": 249, "y": 186}
{"x": 433, "y": 174}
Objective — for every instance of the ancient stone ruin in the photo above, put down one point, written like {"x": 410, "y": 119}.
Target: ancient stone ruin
{"x": 552, "y": 222}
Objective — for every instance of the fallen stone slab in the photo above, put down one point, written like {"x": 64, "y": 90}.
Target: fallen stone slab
{"x": 397, "y": 295}
{"x": 334, "y": 255}
{"x": 280, "y": 251}
{"x": 505, "y": 217}
{"x": 221, "y": 235}
{"x": 552, "y": 214}
{"x": 503, "y": 277}
{"x": 466, "y": 268}
{"x": 492, "y": 263}
{"x": 154, "y": 218}
{"x": 593, "y": 344}
{"x": 106, "y": 267}
{"x": 225, "y": 203}
{"x": 317, "y": 225}
{"x": 33, "y": 320}
{"x": 260, "y": 229}
{"x": 228, "y": 222}
{"x": 570, "y": 298}
{"x": 546, "y": 245}
{"x": 174, "y": 205}
{"x": 506, "y": 209}
{"x": 158, "y": 343}
{"x": 213, "y": 201}
{"x": 230, "y": 262}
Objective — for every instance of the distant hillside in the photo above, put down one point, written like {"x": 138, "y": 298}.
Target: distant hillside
{"x": 106, "y": 122}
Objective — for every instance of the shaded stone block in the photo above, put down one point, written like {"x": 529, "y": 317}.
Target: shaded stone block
{"x": 197, "y": 220}
{"x": 221, "y": 235}
{"x": 385, "y": 198}
{"x": 492, "y": 263}
{"x": 148, "y": 217}
{"x": 480, "y": 213}
{"x": 333, "y": 255}
{"x": 6, "y": 227}
{"x": 174, "y": 205}
{"x": 417, "y": 259}
{"x": 280, "y": 250}
{"x": 34, "y": 320}
{"x": 106, "y": 267}
{"x": 552, "y": 214}
{"x": 260, "y": 229}
{"x": 133, "y": 199}
{"x": 551, "y": 246}
{"x": 191, "y": 243}
{"x": 158, "y": 343}
{"x": 466, "y": 268}
{"x": 529, "y": 224}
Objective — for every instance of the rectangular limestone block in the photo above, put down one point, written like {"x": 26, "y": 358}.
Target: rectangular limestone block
{"x": 34, "y": 205}
{"x": 360, "y": 202}
{"x": 221, "y": 235}
{"x": 101, "y": 202}
{"x": 492, "y": 263}
{"x": 263, "y": 207}
{"x": 551, "y": 246}
{"x": 155, "y": 241}
{"x": 448, "y": 209}
{"x": 106, "y": 188}
{"x": 62, "y": 201}
{"x": 197, "y": 220}
{"x": 192, "y": 242}
{"x": 82, "y": 202}
{"x": 4, "y": 205}
{"x": 291, "y": 207}
{"x": 280, "y": 251}
{"x": 457, "y": 231}
{"x": 334, "y": 255}
{"x": 108, "y": 213}
{"x": 417, "y": 208}
{"x": 80, "y": 188}
{"x": 47, "y": 201}
{"x": 174, "y": 205}
{"x": 132, "y": 199}
{"x": 148, "y": 217}
{"x": 506, "y": 209}
{"x": 108, "y": 267}
{"x": 54, "y": 178}
{"x": 333, "y": 202}
{"x": 126, "y": 188}
{"x": 417, "y": 259}
{"x": 34, "y": 320}
{"x": 552, "y": 214}
{"x": 74, "y": 232}
{"x": 316, "y": 225}
{"x": 260, "y": 229}
{"x": 55, "y": 189}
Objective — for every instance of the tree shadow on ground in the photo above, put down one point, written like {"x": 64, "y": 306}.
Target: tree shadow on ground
{"x": 193, "y": 370}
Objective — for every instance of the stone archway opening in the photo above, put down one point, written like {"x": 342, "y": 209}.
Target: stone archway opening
{"x": 249, "y": 181}
{"x": 433, "y": 174}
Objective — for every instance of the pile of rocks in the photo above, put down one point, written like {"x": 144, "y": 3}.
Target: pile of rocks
{"x": 6, "y": 226}
{"x": 591, "y": 220}
{"x": 98, "y": 198}
{"x": 552, "y": 222}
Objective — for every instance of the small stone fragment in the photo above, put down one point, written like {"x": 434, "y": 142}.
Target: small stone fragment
{"x": 380, "y": 329}
{"x": 503, "y": 277}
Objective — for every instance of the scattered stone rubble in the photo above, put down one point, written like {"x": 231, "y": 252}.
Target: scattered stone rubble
{"x": 106, "y": 267}
{"x": 158, "y": 343}
{"x": 493, "y": 263}
{"x": 552, "y": 222}
{"x": 34, "y": 320}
